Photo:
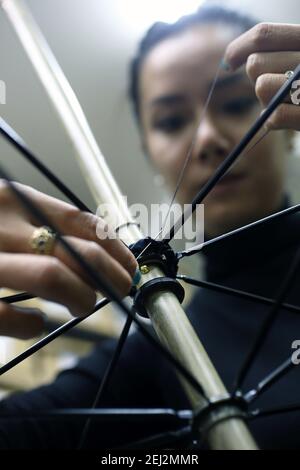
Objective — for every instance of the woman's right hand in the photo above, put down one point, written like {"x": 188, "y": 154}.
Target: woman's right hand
{"x": 58, "y": 277}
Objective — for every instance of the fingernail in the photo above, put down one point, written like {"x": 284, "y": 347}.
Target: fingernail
{"x": 137, "y": 277}
{"x": 224, "y": 65}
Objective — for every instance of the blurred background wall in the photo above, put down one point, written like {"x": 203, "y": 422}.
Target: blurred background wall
{"x": 93, "y": 41}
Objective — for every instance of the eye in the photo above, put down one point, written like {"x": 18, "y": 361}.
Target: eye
{"x": 171, "y": 124}
{"x": 239, "y": 105}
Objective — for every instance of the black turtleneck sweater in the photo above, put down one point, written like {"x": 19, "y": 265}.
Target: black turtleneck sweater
{"x": 255, "y": 261}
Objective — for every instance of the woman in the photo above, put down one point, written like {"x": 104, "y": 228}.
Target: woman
{"x": 171, "y": 79}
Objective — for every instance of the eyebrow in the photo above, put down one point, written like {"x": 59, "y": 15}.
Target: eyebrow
{"x": 179, "y": 98}
{"x": 169, "y": 99}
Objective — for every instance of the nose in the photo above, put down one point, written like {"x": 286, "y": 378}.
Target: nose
{"x": 210, "y": 144}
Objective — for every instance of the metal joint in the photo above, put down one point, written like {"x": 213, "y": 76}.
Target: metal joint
{"x": 218, "y": 411}
{"x": 158, "y": 253}
{"x": 153, "y": 287}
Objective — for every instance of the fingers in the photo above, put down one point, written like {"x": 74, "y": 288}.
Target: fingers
{"x": 112, "y": 271}
{"x": 286, "y": 116}
{"x": 264, "y": 37}
{"x": 15, "y": 233}
{"x": 18, "y": 241}
{"x": 46, "y": 277}
{"x": 71, "y": 221}
{"x": 20, "y": 323}
{"x": 90, "y": 227}
{"x": 269, "y": 50}
{"x": 267, "y": 86}
{"x": 111, "y": 258}
{"x": 271, "y": 62}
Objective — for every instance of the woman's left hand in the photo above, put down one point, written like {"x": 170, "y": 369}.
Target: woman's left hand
{"x": 269, "y": 50}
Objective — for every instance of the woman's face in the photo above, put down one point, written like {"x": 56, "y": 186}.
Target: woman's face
{"x": 175, "y": 80}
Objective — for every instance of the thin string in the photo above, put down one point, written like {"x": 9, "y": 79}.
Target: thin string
{"x": 187, "y": 158}
{"x": 191, "y": 148}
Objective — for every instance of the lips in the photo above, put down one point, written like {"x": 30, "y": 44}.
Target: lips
{"x": 228, "y": 183}
{"x": 231, "y": 179}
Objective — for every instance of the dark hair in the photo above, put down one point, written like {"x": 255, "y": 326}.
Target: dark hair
{"x": 206, "y": 14}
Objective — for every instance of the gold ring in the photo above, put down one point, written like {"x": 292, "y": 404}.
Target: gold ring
{"x": 42, "y": 241}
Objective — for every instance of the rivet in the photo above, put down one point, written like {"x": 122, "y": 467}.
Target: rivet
{"x": 145, "y": 269}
